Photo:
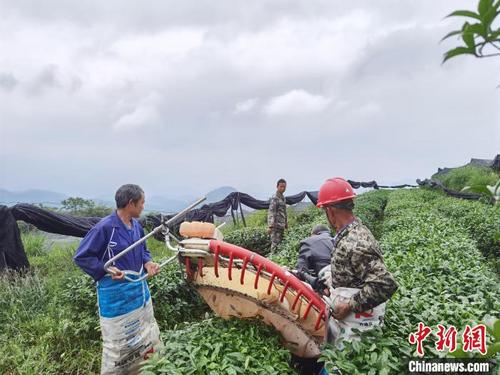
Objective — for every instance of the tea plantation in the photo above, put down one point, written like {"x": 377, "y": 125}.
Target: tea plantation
{"x": 442, "y": 251}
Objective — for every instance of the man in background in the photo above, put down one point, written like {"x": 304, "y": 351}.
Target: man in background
{"x": 276, "y": 217}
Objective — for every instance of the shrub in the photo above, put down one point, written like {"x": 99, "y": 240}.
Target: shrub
{"x": 255, "y": 239}
{"x": 480, "y": 221}
{"x": 442, "y": 279}
{"x": 175, "y": 300}
{"x": 215, "y": 346}
{"x": 309, "y": 214}
{"x": 369, "y": 207}
{"x": 288, "y": 250}
{"x": 80, "y": 296}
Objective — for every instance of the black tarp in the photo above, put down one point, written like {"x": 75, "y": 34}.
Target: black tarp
{"x": 53, "y": 222}
{"x": 453, "y": 193}
{"x": 12, "y": 253}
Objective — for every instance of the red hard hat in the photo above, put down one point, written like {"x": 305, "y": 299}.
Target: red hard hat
{"x": 334, "y": 190}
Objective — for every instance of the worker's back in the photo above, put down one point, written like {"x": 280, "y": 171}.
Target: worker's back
{"x": 315, "y": 253}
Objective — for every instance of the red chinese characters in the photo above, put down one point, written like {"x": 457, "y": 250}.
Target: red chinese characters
{"x": 447, "y": 338}
{"x": 475, "y": 338}
{"x": 418, "y": 337}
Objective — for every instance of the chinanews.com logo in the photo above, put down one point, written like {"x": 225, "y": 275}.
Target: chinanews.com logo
{"x": 473, "y": 341}
{"x": 450, "y": 366}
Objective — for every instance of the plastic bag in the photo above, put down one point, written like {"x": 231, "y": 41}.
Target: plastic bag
{"x": 340, "y": 330}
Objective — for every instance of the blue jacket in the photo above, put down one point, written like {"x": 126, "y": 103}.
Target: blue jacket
{"x": 106, "y": 239}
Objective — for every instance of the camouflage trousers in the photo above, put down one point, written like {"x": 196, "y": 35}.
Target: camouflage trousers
{"x": 276, "y": 238}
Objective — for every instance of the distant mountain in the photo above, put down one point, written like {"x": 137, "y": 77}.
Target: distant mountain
{"x": 167, "y": 205}
{"x": 153, "y": 203}
{"x": 31, "y": 196}
{"x": 218, "y": 194}
{"x": 163, "y": 204}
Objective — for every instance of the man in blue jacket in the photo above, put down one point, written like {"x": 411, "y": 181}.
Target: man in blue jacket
{"x": 128, "y": 326}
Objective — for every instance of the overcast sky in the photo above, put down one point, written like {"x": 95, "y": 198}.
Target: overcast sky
{"x": 185, "y": 96}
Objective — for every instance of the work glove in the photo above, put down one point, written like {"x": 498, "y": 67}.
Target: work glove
{"x": 325, "y": 275}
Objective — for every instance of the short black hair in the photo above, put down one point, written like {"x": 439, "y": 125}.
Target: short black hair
{"x": 280, "y": 181}
{"x": 127, "y": 193}
{"x": 320, "y": 228}
{"x": 346, "y": 204}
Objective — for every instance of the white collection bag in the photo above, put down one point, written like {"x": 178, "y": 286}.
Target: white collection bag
{"x": 340, "y": 330}
{"x": 129, "y": 329}
{"x": 128, "y": 340}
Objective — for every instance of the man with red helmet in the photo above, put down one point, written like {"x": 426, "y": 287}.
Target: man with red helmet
{"x": 357, "y": 261}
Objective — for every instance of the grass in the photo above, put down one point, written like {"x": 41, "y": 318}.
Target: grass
{"x": 34, "y": 244}
{"x": 469, "y": 175}
{"x": 49, "y": 316}
{"x": 46, "y": 329}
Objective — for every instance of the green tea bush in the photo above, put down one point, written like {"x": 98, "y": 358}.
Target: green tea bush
{"x": 219, "y": 347}
{"x": 292, "y": 214}
{"x": 257, "y": 218}
{"x": 309, "y": 215}
{"x": 80, "y": 296}
{"x": 251, "y": 238}
{"x": 369, "y": 207}
{"x": 175, "y": 300}
{"x": 481, "y": 221}
{"x": 288, "y": 250}
{"x": 442, "y": 279}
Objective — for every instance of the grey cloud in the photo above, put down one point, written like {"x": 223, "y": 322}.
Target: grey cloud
{"x": 237, "y": 15}
{"x": 167, "y": 116}
{"x": 47, "y": 78}
{"x": 8, "y": 81}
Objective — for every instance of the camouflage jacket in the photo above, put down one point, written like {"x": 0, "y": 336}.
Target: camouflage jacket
{"x": 357, "y": 262}
{"x": 276, "y": 216}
